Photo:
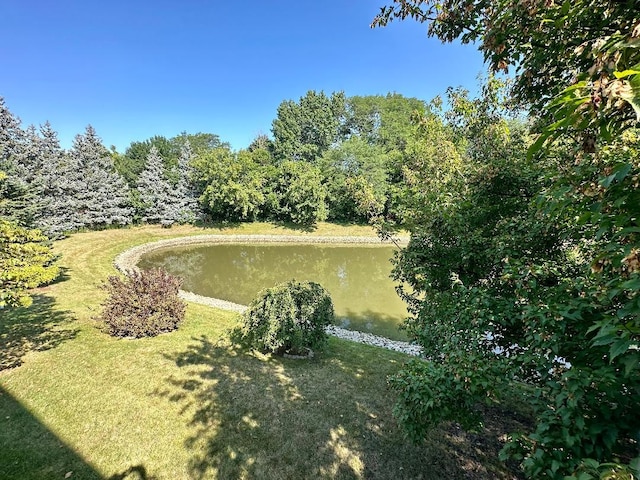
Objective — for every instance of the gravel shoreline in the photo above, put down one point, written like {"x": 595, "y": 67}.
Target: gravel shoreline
{"x": 128, "y": 260}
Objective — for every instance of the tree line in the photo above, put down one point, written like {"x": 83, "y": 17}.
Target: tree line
{"x": 331, "y": 157}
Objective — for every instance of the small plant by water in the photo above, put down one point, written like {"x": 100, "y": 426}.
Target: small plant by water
{"x": 143, "y": 304}
{"x": 288, "y": 318}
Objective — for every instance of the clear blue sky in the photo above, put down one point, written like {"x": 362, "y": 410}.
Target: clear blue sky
{"x": 138, "y": 68}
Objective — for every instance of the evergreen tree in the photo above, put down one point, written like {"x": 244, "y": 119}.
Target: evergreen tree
{"x": 19, "y": 201}
{"x": 156, "y": 192}
{"x": 60, "y": 179}
{"x": 11, "y": 134}
{"x": 186, "y": 194}
{"x": 20, "y": 158}
{"x": 37, "y": 166}
{"x": 26, "y": 260}
{"x": 103, "y": 198}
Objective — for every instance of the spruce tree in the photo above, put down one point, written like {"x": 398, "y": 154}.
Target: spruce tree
{"x": 60, "y": 180}
{"x": 37, "y": 166}
{"x": 18, "y": 201}
{"x": 186, "y": 194}
{"x": 155, "y": 191}
{"x": 11, "y": 135}
{"x": 104, "y": 196}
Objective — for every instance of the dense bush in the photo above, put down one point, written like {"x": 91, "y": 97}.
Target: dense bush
{"x": 288, "y": 318}
{"x": 144, "y": 304}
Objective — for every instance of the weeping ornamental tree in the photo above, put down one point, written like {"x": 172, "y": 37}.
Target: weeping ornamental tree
{"x": 553, "y": 281}
{"x": 288, "y": 318}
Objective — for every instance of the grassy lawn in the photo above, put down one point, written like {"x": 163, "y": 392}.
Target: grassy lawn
{"x": 77, "y": 403}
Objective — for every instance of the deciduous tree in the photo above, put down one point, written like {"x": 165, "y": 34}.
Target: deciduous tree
{"x": 300, "y": 194}
{"x": 578, "y": 60}
{"x": 233, "y": 185}
{"x": 304, "y": 130}
{"x": 356, "y": 179}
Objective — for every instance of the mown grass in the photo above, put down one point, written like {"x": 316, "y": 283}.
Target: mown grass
{"x": 74, "y": 401}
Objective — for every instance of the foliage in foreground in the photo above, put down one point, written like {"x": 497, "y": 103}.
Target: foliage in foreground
{"x": 143, "y": 304}
{"x": 26, "y": 261}
{"x": 578, "y": 62}
{"x": 288, "y": 318}
{"x": 547, "y": 294}
{"x": 523, "y": 273}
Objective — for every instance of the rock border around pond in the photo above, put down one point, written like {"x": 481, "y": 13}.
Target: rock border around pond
{"x": 128, "y": 261}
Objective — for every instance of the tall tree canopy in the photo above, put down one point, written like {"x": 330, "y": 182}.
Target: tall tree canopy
{"x": 356, "y": 174}
{"x": 299, "y": 193}
{"x": 156, "y": 192}
{"x": 382, "y": 120}
{"x": 131, "y": 164}
{"x": 304, "y": 130}
{"x": 232, "y": 185}
{"x": 104, "y": 195}
{"x": 580, "y": 60}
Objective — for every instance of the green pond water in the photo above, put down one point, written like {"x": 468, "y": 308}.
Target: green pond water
{"x": 357, "y": 277}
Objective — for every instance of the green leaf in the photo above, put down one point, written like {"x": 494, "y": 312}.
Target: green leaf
{"x": 625, "y": 73}
{"x": 632, "y": 96}
{"x": 618, "y": 348}
{"x": 538, "y": 144}
{"x": 633, "y": 284}
{"x": 631, "y": 362}
{"x": 618, "y": 175}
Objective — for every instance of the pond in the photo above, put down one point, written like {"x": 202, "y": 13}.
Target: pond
{"x": 357, "y": 277}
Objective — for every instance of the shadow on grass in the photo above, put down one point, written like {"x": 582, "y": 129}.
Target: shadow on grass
{"x": 63, "y": 276}
{"x": 29, "y": 450}
{"x": 307, "y": 228}
{"x": 231, "y": 224}
{"x": 262, "y": 417}
{"x": 138, "y": 472}
{"x": 220, "y": 225}
{"x": 35, "y": 328}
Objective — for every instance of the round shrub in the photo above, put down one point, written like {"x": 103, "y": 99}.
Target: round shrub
{"x": 288, "y": 318}
{"x": 143, "y": 304}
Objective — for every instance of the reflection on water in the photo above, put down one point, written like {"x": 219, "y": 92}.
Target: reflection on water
{"x": 357, "y": 277}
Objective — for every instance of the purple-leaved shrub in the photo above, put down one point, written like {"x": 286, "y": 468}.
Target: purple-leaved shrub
{"x": 143, "y": 304}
